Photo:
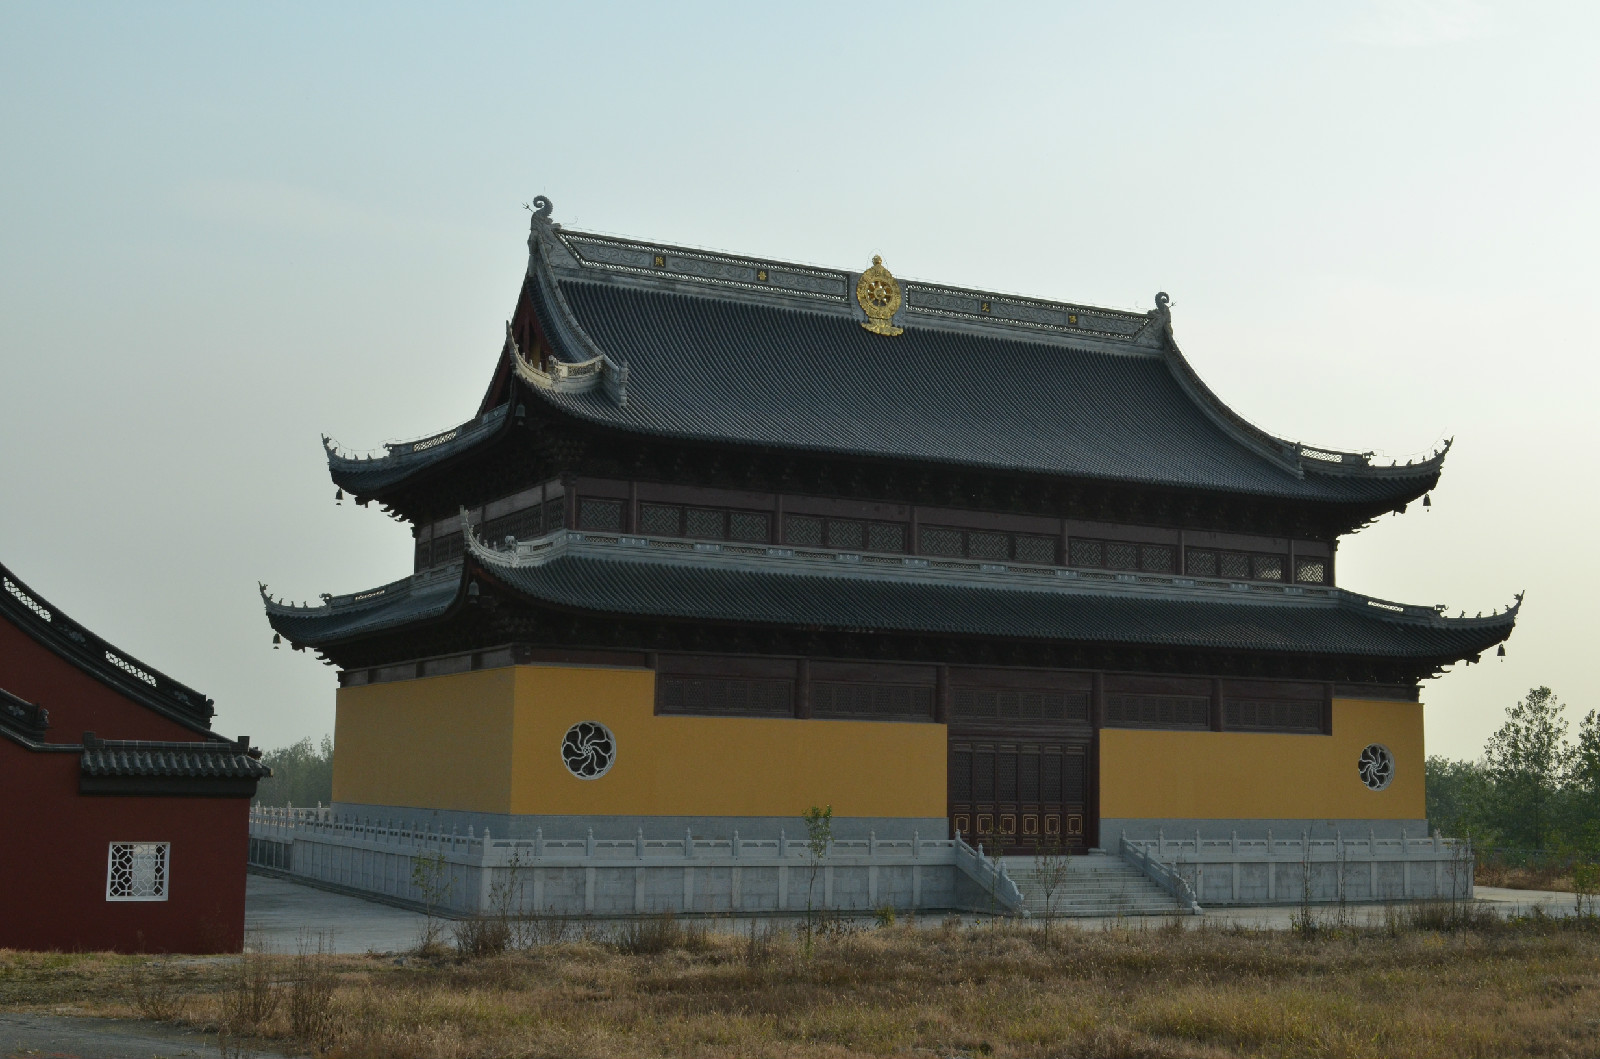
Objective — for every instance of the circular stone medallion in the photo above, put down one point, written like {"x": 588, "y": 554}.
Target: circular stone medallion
{"x": 1376, "y": 765}
{"x": 588, "y": 750}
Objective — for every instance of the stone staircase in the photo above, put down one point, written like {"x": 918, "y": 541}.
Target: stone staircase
{"x": 1096, "y": 884}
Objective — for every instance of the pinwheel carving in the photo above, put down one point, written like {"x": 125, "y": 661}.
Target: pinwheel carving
{"x": 588, "y": 749}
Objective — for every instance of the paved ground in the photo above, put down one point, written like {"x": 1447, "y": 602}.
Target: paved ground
{"x": 279, "y": 915}
{"x": 65, "y": 1036}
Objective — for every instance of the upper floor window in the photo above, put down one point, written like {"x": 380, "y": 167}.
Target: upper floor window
{"x": 705, "y": 523}
{"x": 992, "y": 545}
{"x": 846, "y": 534}
{"x": 1121, "y": 555}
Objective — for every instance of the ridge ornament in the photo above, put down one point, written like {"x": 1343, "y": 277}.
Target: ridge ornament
{"x": 879, "y": 296}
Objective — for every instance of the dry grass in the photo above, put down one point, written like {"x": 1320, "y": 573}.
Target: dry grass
{"x": 1556, "y": 877}
{"x": 1483, "y": 989}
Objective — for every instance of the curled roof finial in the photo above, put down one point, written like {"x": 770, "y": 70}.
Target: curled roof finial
{"x": 1163, "y": 302}
{"x": 541, "y": 207}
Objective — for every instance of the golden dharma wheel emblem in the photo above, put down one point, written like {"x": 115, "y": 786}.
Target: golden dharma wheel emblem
{"x": 879, "y": 296}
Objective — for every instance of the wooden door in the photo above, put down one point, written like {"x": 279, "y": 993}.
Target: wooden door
{"x": 1017, "y": 794}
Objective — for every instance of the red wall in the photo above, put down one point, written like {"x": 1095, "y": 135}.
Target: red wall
{"x": 77, "y": 702}
{"x": 53, "y": 871}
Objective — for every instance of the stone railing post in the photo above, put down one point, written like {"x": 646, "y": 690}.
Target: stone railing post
{"x": 538, "y": 843}
{"x": 638, "y": 845}
{"x": 688, "y": 843}
{"x": 588, "y": 844}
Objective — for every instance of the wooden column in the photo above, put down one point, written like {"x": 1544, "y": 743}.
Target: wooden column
{"x": 941, "y": 696}
{"x": 1097, "y": 700}
{"x": 1216, "y": 704}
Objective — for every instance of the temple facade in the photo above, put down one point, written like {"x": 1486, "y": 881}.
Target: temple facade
{"x": 729, "y": 537}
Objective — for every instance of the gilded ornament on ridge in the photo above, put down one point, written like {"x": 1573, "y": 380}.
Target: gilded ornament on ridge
{"x": 879, "y": 296}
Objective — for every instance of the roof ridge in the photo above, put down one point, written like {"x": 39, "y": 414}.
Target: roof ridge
{"x": 69, "y": 639}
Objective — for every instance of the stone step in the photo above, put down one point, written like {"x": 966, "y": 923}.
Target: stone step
{"x": 1094, "y": 885}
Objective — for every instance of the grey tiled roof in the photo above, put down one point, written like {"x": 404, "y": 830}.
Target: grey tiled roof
{"x": 720, "y": 348}
{"x": 674, "y": 579}
{"x": 171, "y": 760}
{"x": 714, "y": 369}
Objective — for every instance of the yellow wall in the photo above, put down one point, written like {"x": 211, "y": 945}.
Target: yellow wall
{"x": 1243, "y": 776}
{"x": 490, "y": 741}
{"x": 438, "y": 742}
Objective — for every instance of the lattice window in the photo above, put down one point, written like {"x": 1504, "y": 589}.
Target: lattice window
{"x": 960, "y": 775}
{"x": 1121, "y": 556}
{"x": 1156, "y": 558}
{"x": 1050, "y": 778}
{"x": 724, "y": 695}
{"x": 138, "y": 871}
{"x": 1074, "y": 780}
{"x": 1036, "y": 549}
{"x": 1086, "y": 553}
{"x": 886, "y": 537}
{"x": 972, "y": 703}
{"x": 446, "y": 548}
{"x": 803, "y": 530}
{"x": 1158, "y": 711}
{"x": 704, "y": 523}
{"x": 1234, "y": 564}
{"x": 983, "y": 776}
{"x": 847, "y": 533}
{"x": 982, "y": 545}
{"x": 1201, "y": 562}
{"x": 1310, "y": 571}
{"x": 936, "y": 540}
{"x": 872, "y": 701}
{"x": 1268, "y": 567}
{"x": 1028, "y": 778}
{"x": 661, "y": 520}
{"x": 555, "y": 514}
{"x": 750, "y": 526}
{"x": 1272, "y": 715}
{"x": 1006, "y": 776}
{"x": 596, "y": 514}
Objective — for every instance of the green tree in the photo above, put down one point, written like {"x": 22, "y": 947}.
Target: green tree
{"x": 1527, "y": 761}
{"x": 1581, "y": 798}
{"x": 302, "y": 774}
{"x": 1459, "y": 799}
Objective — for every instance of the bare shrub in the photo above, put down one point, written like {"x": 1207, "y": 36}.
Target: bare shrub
{"x": 252, "y": 995}
{"x": 482, "y": 936}
{"x": 654, "y": 935}
{"x": 311, "y": 987}
{"x": 154, "y": 991}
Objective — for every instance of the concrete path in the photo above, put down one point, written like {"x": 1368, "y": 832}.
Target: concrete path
{"x": 70, "y": 1036}
{"x": 279, "y": 915}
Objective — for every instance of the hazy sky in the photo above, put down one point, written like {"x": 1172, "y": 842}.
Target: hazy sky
{"x": 223, "y": 231}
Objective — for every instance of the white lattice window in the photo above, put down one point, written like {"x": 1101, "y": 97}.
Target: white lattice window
{"x": 137, "y": 871}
